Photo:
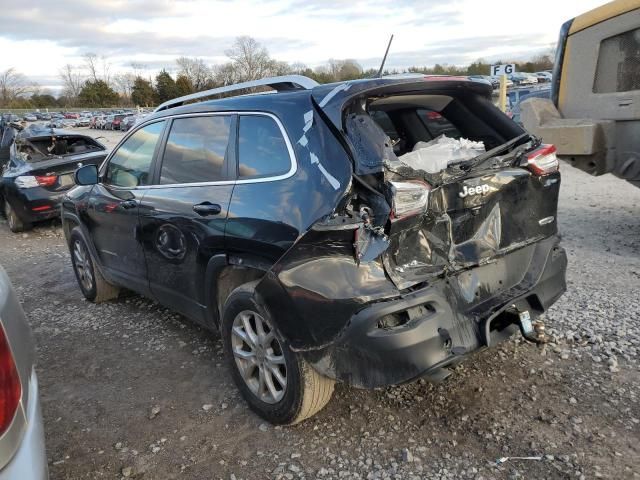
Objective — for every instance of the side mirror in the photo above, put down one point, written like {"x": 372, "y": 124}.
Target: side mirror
{"x": 87, "y": 175}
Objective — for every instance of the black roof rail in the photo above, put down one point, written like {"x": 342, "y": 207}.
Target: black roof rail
{"x": 282, "y": 83}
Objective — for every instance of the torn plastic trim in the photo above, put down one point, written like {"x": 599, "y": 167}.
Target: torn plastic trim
{"x": 371, "y": 147}
{"x": 494, "y": 152}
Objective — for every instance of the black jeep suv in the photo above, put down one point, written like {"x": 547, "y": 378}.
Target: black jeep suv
{"x": 290, "y": 223}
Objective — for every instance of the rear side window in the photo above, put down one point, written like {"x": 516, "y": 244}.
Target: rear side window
{"x": 196, "y": 150}
{"x": 618, "y": 68}
{"x": 262, "y": 150}
{"x": 130, "y": 164}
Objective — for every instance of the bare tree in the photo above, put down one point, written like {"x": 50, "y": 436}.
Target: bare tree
{"x": 72, "y": 80}
{"x": 278, "y": 67}
{"x": 13, "y": 84}
{"x": 106, "y": 69}
{"x": 343, "y": 69}
{"x": 124, "y": 83}
{"x": 297, "y": 67}
{"x": 91, "y": 64}
{"x": 225, "y": 74}
{"x": 98, "y": 67}
{"x": 198, "y": 73}
{"x": 333, "y": 67}
{"x": 137, "y": 68}
{"x": 251, "y": 60}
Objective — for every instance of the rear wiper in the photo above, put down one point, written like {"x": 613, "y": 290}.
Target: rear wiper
{"x": 475, "y": 161}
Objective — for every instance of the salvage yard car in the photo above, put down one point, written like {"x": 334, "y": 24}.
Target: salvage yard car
{"x": 290, "y": 223}
{"x": 36, "y": 168}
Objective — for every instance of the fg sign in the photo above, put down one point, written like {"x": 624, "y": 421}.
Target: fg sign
{"x": 503, "y": 69}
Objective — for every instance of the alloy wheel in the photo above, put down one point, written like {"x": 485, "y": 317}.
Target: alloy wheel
{"x": 259, "y": 356}
{"x": 82, "y": 265}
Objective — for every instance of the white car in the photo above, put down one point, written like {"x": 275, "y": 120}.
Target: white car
{"x": 82, "y": 122}
{"x": 100, "y": 122}
{"x": 543, "y": 77}
{"x": 521, "y": 78}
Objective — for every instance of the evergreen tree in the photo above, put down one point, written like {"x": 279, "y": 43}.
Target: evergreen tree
{"x": 183, "y": 86}
{"x": 165, "y": 87}
{"x": 98, "y": 94}
{"x": 142, "y": 93}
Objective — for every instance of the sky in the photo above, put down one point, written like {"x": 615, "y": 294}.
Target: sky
{"x": 38, "y": 37}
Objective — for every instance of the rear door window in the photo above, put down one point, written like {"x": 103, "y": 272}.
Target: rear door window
{"x": 262, "y": 149}
{"x": 130, "y": 165}
{"x": 196, "y": 150}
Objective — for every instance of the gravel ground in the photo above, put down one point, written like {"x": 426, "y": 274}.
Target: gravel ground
{"x": 132, "y": 390}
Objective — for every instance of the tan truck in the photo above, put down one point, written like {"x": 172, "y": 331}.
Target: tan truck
{"x": 593, "y": 117}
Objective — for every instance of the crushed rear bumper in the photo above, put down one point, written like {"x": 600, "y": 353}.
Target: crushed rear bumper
{"x": 36, "y": 204}
{"x": 397, "y": 341}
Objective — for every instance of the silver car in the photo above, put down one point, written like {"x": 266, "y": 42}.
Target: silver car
{"x": 22, "y": 451}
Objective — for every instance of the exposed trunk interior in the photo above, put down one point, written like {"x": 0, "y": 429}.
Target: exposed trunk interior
{"x": 37, "y": 149}
{"x": 479, "y": 207}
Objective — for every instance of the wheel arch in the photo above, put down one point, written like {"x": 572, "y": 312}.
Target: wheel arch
{"x": 224, "y": 274}
{"x": 70, "y": 221}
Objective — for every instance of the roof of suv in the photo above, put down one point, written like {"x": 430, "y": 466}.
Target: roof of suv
{"x": 326, "y": 95}
{"x": 259, "y": 101}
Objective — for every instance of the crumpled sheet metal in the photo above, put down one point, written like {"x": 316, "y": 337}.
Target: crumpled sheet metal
{"x": 429, "y": 248}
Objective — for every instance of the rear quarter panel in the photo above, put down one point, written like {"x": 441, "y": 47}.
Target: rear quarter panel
{"x": 269, "y": 216}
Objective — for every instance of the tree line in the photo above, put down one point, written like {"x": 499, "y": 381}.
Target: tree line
{"x": 94, "y": 84}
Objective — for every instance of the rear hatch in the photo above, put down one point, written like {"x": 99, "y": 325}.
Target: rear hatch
{"x": 469, "y": 213}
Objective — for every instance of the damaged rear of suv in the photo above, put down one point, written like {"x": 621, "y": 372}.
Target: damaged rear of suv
{"x": 371, "y": 232}
{"x": 469, "y": 253}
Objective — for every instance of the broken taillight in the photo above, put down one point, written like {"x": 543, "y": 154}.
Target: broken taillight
{"x": 46, "y": 180}
{"x": 408, "y": 198}
{"x": 10, "y": 388}
{"x": 543, "y": 160}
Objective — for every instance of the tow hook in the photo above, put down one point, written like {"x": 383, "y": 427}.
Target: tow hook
{"x": 532, "y": 331}
{"x": 541, "y": 335}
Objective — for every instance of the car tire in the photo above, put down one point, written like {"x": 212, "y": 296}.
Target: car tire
{"x": 16, "y": 225}
{"x": 91, "y": 282}
{"x": 251, "y": 361}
